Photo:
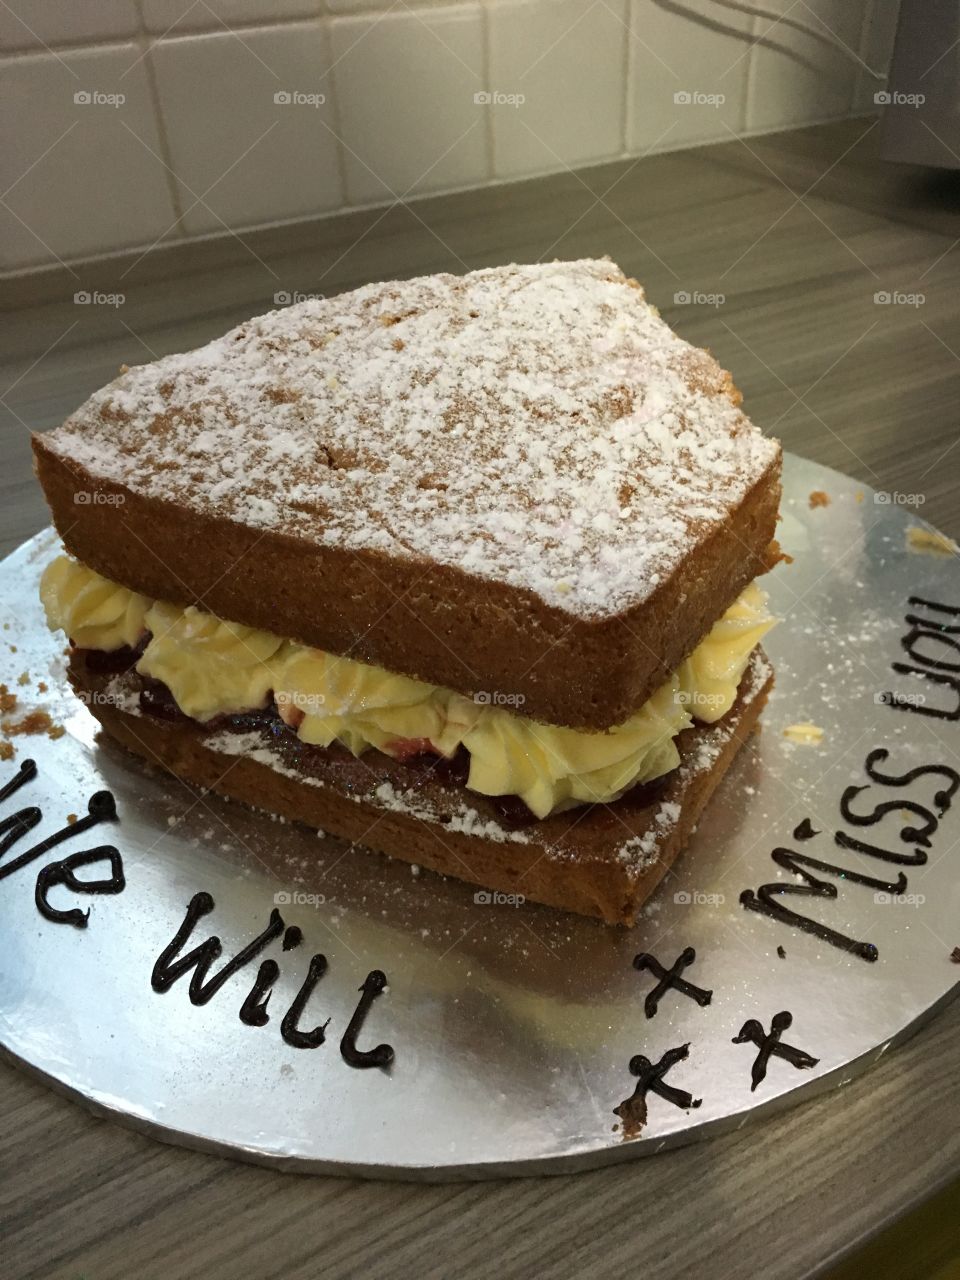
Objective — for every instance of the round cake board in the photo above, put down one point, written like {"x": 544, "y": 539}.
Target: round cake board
{"x": 524, "y": 1040}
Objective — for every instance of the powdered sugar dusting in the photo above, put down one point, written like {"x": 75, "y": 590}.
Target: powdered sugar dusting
{"x": 536, "y": 425}
{"x": 465, "y": 819}
{"x": 384, "y": 796}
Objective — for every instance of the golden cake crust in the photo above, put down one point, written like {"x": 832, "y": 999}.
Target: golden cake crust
{"x": 515, "y": 482}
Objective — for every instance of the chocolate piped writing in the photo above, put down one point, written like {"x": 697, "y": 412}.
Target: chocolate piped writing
{"x": 921, "y": 709}
{"x": 766, "y": 898}
{"x": 11, "y": 829}
{"x": 62, "y": 872}
{"x": 915, "y": 859}
{"x": 168, "y": 970}
{"x": 941, "y": 798}
{"x": 374, "y": 985}
{"x": 253, "y": 1011}
{"x": 770, "y": 1045}
{"x": 171, "y": 966}
{"x": 650, "y": 1079}
{"x": 101, "y": 807}
{"x": 26, "y": 773}
{"x": 933, "y": 670}
{"x": 670, "y": 979}
{"x": 805, "y": 830}
{"x": 951, "y": 610}
{"x": 919, "y": 835}
{"x": 289, "y": 1028}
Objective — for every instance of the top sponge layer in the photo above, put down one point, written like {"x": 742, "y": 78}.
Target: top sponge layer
{"x": 535, "y": 426}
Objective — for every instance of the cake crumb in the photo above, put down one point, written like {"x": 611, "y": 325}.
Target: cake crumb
{"x": 6, "y": 750}
{"x": 71, "y": 819}
{"x": 23, "y": 677}
{"x": 42, "y": 687}
{"x": 13, "y": 648}
{"x": 928, "y": 541}
{"x": 8, "y": 700}
{"x": 33, "y": 722}
{"x": 819, "y": 499}
{"x": 806, "y": 733}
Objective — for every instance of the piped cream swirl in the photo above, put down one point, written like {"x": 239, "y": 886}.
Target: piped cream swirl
{"x": 212, "y": 668}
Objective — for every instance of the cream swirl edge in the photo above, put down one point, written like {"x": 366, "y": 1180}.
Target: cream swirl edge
{"x": 215, "y": 668}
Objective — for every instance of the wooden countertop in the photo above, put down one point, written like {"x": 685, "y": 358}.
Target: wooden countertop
{"x": 798, "y": 231}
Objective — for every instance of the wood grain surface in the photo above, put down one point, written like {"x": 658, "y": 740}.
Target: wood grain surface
{"x": 798, "y": 232}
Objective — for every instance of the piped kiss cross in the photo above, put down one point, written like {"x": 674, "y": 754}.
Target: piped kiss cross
{"x": 769, "y": 1045}
{"x": 633, "y": 1110}
{"x": 670, "y": 978}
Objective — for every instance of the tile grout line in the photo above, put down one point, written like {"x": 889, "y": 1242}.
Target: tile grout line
{"x": 173, "y": 186}
{"x": 628, "y": 63}
{"x": 326, "y": 37}
{"x": 486, "y": 73}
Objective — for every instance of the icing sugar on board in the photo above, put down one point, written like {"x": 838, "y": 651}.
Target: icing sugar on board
{"x": 354, "y": 1017}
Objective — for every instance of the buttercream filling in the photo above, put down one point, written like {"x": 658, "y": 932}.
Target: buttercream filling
{"x": 214, "y": 668}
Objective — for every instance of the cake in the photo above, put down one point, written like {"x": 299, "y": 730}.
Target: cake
{"x": 462, "y": 569}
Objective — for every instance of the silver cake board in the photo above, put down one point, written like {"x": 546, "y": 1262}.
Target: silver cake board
{"x": 524, "y": 1040}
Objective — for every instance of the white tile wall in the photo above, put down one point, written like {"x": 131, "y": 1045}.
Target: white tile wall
{"x": 688, "y": 74}
{"x": 566, "y": 59}
{"x": 80, "y": 175}
{"x": 250, "y": 123}
{"x": 174, "y": 17}
{"x": 795, "y": 72}
{"x": 34, "y": 24}
{"x": 880, "y": 27}
{"x": 405, "y": 82}
{"x": 200, "y": 143}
